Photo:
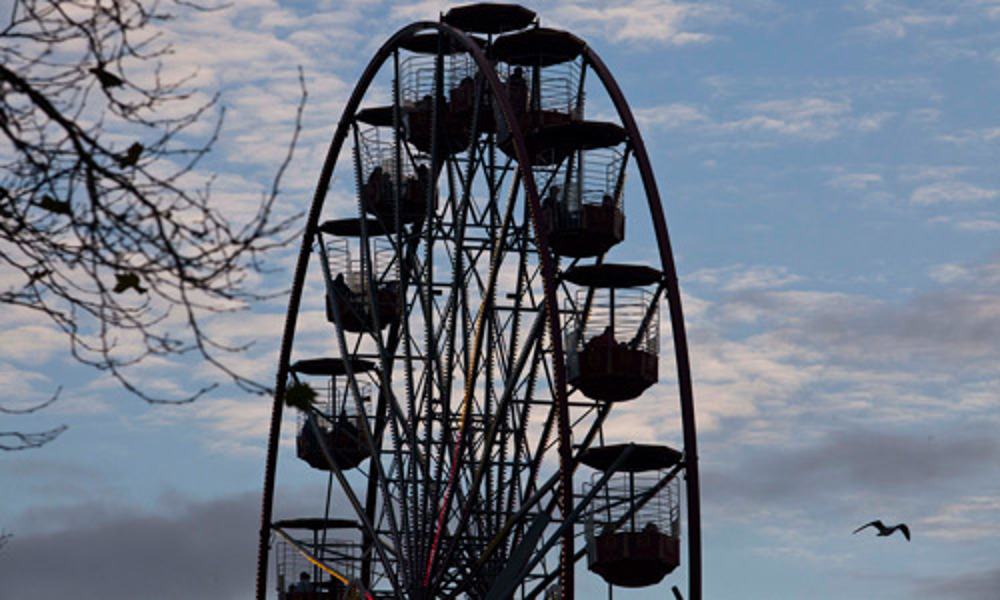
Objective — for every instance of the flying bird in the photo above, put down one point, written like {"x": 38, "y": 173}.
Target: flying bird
{"x": 884, "y": 530}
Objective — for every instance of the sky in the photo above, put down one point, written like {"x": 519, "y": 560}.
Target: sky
{"x": 829, "y": 173}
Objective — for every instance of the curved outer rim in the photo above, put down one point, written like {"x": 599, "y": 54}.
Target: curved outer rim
{"x": 686, "y": 391}
{"x": 548, "y": 278}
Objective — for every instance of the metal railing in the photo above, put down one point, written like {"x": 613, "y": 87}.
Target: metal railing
{"x": 376, "y": 149}
{"x": 385, "y": 269}
{"x": 340, "y": 403}
{"x": 618, "y": 503}
{"x": 594, "y": 180}
{"x": 417, "y": 81}
{"x": 559, "y": 89}
{"x": 618, "y": 313}
{"x": 342, "y": 555}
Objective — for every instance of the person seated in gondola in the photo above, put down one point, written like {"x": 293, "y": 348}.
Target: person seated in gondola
{"x": 517, "y": 90}
{"x": 377, "y": 185}
{"x": 340, "y": 287}
{"x": 605, "y": 340}
{"x": 416, "y": 187}
{"x": 551, "y": 198}
{"x": 374, "y": 178}
{"x": 461, "y": 96}
{"x": 304, "y": 585}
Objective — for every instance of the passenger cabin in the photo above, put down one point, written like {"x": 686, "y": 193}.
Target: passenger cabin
{"x": 363, "y": 294}
{"x": 581, "y": 205}
{"x": 612, "y": 344}
{"x": 337, "y": 438}
{"x": 331, "y": 541}
{"x": 542, "y": 77}
{"x": 633, "y": 534}
{"x": 453, "y": 113}
{"x": 382, "y": 182}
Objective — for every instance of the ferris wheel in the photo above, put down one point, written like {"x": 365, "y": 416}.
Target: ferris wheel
{"x": 480, "y": 329}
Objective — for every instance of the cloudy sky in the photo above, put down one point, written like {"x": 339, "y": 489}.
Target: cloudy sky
{"x": 831, "y": 183}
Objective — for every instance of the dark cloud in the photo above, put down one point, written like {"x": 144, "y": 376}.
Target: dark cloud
{"x": 870, "y": 463}
{"x": 976, "y": 585}
{"x": 101, "y": 552}
{"x": 954, "y": 326}
{"x": 44, "y": 477}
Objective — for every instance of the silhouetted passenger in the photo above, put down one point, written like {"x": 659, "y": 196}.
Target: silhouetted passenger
{"x": 517, "y": 89}
{"x": 461, "y": 96}
{"x": 605, "y": 340}
{"x": 304, "y": 584}
{"x": 551, "y": 198}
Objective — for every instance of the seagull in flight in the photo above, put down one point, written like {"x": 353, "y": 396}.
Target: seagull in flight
{"x": 884, "y": 530}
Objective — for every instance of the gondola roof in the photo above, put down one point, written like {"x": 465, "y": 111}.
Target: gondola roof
{"x": 489, "y": 17}
{"x": 540, "y": 47}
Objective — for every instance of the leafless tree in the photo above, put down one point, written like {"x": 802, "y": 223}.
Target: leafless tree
{"x": 107, "y": 227}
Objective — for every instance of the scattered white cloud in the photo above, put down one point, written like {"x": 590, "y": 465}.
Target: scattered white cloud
{"x": 804, "y": 118}
{"x": 895, "y": 20}
{"x": 664, "y": 21}
{"x": 970, "y": 136}
{"x": 31, "y": 345}
{"x": 806, "y": 353}
{"x": 738, "y": 278}
{"x": 23, "y": 388}
{"x": 898, "y": 27}
{"x": 236, "y": 426}
{"x": 951, "y": 192}
{"x": 978, "y": 225}
{"x": 950, "y": 273}
{"x": 669, "y": 116}
{"x": 980, "y": 277}
{"x": 924, "y": 115}
{"x": 968, "y": 518}
{"x": 855, "y": 181}
{"x": 932, "y": 172}
{"x": 990, "y": 7}
{"x": 809, "y": 118}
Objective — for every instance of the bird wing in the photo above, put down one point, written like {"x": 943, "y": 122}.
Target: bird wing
{"x": 876, "y": 524}
{"x": 906, "y": 530}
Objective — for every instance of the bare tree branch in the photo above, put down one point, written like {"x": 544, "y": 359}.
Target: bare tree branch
{"x": 25, "y": 441}
{"x": 30, "y": 409}
{"x": 104, "y": 215}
